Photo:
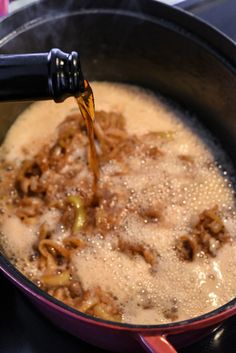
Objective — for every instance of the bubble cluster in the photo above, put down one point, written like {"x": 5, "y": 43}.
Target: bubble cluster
{"x": 180, "y": 193}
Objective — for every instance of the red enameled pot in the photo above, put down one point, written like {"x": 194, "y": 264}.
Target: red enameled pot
{"x": 146, "y": 43}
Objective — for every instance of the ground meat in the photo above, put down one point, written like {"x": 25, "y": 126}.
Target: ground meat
{"x": 171, "y": 313}
{"x": 152, "y": 152}
{"x": 187, "y": 247}
{"x": 29, "y": 207}
{"x": 208, "y": 235}
{"x": 133, "y": 249}
{"x": 120, "y": 151}
{"x": 44, "y": 179}
{"x": 95, "y": 302}
{"x": 27, "y": 182}
{"x": 186, "y": 158}
{"x": 150, "y": 214}
{"x": 62, "y": 294}
{"x": 75, "y": 289}
{"x": 107, "y": 307}
{"x": 68, "y": 216}
{"x": 111, "y": 120}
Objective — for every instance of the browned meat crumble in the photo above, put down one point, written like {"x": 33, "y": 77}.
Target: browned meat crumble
{"x": 208, "y": 235}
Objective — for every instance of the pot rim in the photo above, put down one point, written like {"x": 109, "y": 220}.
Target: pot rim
{"x": 176, "y": 18}
{"x": 220, "y": 45}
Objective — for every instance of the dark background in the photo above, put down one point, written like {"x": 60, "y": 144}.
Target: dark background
{"x": 24, "y": 330}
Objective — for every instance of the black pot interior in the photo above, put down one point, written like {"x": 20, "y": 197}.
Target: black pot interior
{"x": 131, "y": 44}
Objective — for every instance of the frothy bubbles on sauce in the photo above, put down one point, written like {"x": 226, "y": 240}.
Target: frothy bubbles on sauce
{"x": 188, "y": 176}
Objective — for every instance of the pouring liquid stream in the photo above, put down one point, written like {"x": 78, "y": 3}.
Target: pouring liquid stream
{"x": 87, "y": 108}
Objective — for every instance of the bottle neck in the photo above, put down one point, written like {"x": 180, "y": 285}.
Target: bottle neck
{"x": 65, "y": 76}
{"x": 54, "y": 75}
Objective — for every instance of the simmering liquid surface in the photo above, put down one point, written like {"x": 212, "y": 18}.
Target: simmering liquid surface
{"x": 159, "y": 243}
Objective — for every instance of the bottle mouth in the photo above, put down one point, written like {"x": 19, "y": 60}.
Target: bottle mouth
{"x": 65, "y": 77}
{"x": 76, "y": 76}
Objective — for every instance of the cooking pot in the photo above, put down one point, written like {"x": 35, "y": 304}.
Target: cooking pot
{"x": 146, "y": 43}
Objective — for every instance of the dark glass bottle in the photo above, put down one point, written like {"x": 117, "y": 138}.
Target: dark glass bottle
{"x": 54, "y": 75}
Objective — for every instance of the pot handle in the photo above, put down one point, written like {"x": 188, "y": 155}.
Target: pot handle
{"x": 156, "y": 344}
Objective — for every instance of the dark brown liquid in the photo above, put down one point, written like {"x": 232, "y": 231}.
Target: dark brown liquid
{"x": 87, "y": 108}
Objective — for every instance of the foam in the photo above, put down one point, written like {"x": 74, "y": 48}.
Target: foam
{"x": 18, "y": 239}
{"x": 181, "y": 191}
